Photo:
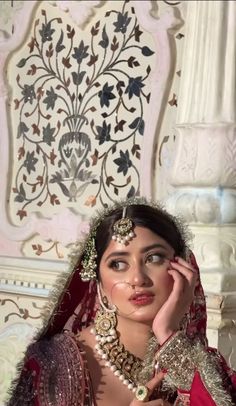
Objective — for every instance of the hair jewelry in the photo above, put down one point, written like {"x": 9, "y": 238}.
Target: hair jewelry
{"x": 123, "y": 229}
{"x": 89, "y": 263}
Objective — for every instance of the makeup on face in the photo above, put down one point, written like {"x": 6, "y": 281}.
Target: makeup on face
{"x": 135, "y": 277}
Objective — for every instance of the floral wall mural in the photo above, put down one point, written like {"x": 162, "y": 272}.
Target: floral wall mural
{"x": 79, "y": 105}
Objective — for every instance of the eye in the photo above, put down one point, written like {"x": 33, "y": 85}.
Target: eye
{"x": 117, "y": 265}
{"x": 156, "y": 258}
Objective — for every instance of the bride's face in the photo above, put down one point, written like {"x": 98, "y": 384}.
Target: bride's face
{"x": 135, "y": 277}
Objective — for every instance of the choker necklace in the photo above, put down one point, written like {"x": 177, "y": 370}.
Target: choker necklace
{"x": 122, "y": 363}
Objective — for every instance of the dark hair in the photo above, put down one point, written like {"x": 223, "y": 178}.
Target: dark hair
{"x": 154, "y": 218}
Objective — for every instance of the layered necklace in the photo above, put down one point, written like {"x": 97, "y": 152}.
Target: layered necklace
{"x": 126, "y": 366}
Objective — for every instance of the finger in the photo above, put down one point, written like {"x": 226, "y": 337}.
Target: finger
{"x": 158, "y": 402}
{"x": 185, "y": 263}
{"x": 183, "y": 289}
{"x": 179, "y": 282}
{"x": 188, "y": 273}
{"x": 177, "y": 276}
{"x": 151, "y": 386}
{"x": 155, "y": 381}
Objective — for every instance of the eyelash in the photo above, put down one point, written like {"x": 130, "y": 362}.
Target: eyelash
{"x": 157, "y": 254}
{"x": 113, "y": 263}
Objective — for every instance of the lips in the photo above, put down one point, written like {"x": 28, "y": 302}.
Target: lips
{"x": 142, "y": 298}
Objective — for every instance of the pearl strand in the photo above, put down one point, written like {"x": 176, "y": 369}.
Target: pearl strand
{"x": 124, "y": 239}
{"x": 118, "y": 373}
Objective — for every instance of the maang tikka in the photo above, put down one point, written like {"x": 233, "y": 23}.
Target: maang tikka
{"x": 123, "y": 229}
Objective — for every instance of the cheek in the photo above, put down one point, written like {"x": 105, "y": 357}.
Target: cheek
{"x": 164, "y": 284}
{"x": 115, "y": 287}
{"x": 107, "y": 281}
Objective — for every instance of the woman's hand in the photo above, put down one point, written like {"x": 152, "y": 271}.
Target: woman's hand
{"x": 152, "y": 385}
{"x": 168, "y": 318}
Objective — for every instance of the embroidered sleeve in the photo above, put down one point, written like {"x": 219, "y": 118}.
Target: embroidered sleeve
{"x": 53, "y": 375}
{"x": 186, "y": 360}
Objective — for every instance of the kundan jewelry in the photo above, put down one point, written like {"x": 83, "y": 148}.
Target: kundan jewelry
{"x": 122, "y": 363}
{"x": 123, "y": 229}
{"x": 89, "y": 263}
{"x": 142, "y": 393}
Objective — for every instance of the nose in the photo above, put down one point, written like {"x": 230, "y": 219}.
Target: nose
{"x": 139, "y": 276}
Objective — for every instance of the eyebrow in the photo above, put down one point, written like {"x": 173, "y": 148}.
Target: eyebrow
{"x": 143, "y": 250}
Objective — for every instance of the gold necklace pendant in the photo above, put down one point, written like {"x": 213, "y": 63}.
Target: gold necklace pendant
{"x": 122, "y": 363}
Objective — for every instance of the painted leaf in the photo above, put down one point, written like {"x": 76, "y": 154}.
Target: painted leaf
{"x": 60, "y": 46}
{"x": 105, "y": 40}
{"x": 146, "y": 51}
{"x": 78, "y": 77}
{"x": 21, "y": 63}
{"x": 131, "y": 192}
{"x": 64, "y": 189}
{"x": 22, "y": 129}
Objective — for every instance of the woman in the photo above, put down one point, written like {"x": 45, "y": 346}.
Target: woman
{"x": 128, "y": 325}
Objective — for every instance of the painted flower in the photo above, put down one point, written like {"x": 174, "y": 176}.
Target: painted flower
{"x": 46, "y": 32}
{"x": 50, "y": 99}
{"x": 30, "y": 162}
{"x": 106, "y": 95}
{"x": 80, "y": 52}
{"x": 48, "y": 134}
{"x": 122, "y": 22}
{"x": 124, "y": 163}
{"x": 134, "y": 87}
{"x": 28, "y": 93}
{"x": 103, "y": 132}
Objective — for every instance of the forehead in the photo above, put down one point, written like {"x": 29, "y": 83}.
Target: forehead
{"x": 143, "y": 239}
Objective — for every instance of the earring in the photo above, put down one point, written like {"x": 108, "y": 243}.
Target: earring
{"x": 105, "y": 320}
{"x": 104, "y": 302}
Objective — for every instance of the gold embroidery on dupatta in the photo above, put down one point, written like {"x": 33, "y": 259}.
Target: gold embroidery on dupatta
{"x": 181, "y": 357}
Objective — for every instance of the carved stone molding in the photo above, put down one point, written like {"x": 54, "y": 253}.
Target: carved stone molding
{"x": 197, "y": 145}
{"x": 30, "y": 277}
{"x": 215, "y": 247}
{"x": 221, "y": 330}
{"x": 205, "y": 205}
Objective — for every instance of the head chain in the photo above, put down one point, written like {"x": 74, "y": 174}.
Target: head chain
{"x": 89, "y": 263}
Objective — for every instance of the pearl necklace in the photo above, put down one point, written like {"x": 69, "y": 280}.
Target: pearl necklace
{"x": 121, "y": 362}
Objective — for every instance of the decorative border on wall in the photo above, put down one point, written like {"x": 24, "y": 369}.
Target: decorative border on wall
{"x": 31, "y": 277}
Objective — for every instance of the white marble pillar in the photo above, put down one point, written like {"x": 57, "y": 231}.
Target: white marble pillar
{"x": 204, "y": 170}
